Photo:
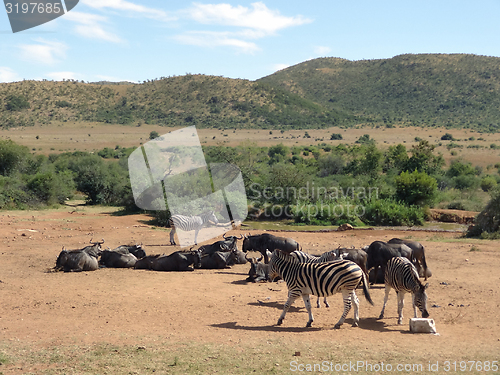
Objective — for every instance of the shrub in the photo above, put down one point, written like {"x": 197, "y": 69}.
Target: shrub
{"x": 16, "y": 103}
{"x": 488, "y": 183}
{"x": 336, "y": 136}
{"x": 390, "y": 212}
{"x": 447, "y": 137}
{"x": 487, "y": 222}
{"x": 416, "y": 188}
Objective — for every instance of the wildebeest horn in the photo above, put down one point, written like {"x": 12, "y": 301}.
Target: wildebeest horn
{"x": 248, "y": 260}
{"x": 241, "y": 237}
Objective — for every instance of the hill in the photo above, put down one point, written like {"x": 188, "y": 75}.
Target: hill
{"x": 454, "y": 90}
{"x": 459, "y": 91}
{"x": 205, "y": 101}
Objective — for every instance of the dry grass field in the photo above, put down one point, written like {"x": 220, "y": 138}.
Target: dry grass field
{"x": 58, "y": 138}
{"x": 125, "y": 321}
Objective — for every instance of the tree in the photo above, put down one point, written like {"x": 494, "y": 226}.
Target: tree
{"x": 416, "y": 188}
{"x": 423, "y": 159}
{"x": 395, "y": 159}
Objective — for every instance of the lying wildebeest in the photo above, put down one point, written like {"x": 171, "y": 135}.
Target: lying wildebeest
{"x": 178, "y": 261}
{"x": 137, "y": 250}
{"x": 228, "y": 244}
{"x": 418, "y": 253}
{"x": 266, "y": 241}
{"x": 146, "y": 263}
{"x": 219, "y": 260}
{"x": 114, "y": 259}
{"x": 79, "y": 260}
{"x": 259, "y": 272}
{"x": 379, "y": 253}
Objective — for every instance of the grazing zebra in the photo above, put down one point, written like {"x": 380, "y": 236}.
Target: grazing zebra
{"x": 309, "y": 258}
{"x": 320, "y": 279}
{"x": 402, "y": 275}
{"x": 188, "y": 223}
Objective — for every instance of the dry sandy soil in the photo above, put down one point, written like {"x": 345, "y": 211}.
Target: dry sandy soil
{"x": 43, "y": 309}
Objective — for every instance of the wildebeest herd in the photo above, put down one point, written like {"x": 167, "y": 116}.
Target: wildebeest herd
{"x": 342, "y": 270}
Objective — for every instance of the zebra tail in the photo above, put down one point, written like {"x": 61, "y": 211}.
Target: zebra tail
{"x": 366, "y": 292}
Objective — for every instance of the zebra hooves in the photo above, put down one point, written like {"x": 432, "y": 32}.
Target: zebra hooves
{"x": 309, "y": 324}
{"x": 381, "y": 316}
{"x": 355, "y": 324}
{"x": 280, "y": 322}
{"x": 400, "y": 321}
{"x": 337, "y": 326}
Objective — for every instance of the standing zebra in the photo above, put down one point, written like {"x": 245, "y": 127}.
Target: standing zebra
{"x": 320, "y": 279}
{"x": 402, "y": 275}
{"x": 309, "y": 258}
{"x": 188, "y": 223}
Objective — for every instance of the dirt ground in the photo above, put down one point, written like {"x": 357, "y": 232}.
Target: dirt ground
{"x": 140, "y": 307}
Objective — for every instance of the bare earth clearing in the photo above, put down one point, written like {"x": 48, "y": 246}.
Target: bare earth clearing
{"x": 151, "y": 310}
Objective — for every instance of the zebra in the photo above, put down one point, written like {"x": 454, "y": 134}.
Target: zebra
{"x": 188, "y": 223}
{"x": 309, "y": 258}
{"x": 402, "y": 275}
{"x": 320, "y": 279}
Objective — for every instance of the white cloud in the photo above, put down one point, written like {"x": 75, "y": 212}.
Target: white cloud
{"x": 216, "y": 39}
{"x": 248, "y": 23}
{"x": 258, "y": 18}
{"x": 8, "y": 75}
{"x": 131, "y": 8}
{"x": 59, "y": 76}
{"x": 322, "y": 50}
{"x": 90, "y": 26}
{"x": 277, "y": 67}
{"x": 45, "y": 52}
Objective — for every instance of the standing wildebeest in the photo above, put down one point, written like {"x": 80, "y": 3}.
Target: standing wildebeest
{"x": 401, "y": 275}
{"x": 178, "y": 261}
{"x": 189, "y": 223}
{"x": 266, "y": 241}
{"x": 79, "y": 260}
{"x": 418, "y": 253}
{"x": 379, "y": 252}
{"x": 115, "y": 259}
{"x": 320, "y": 279}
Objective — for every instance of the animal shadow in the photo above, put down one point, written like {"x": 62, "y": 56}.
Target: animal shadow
{"x": 272, "y": 328}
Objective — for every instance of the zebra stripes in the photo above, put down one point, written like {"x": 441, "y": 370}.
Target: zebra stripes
{"x": 189, "y": 223}
{"x": 320, "y": 279}
{"x": 309, "y": 258}
{"x": 401, "y": 275}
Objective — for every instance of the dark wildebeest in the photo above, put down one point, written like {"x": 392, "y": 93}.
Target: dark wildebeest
{"x": 114, "y": 259}
{"x": 178, "y": 261}
{"x": 266, "y": 241}
{"x": 79, "y": 260}
{"x": 418, "y": 253}
{"x": 228, "y": 244}
{"x": 219, "y": 260}
{"x": 137, "y": 250}
{"x": 146, "y": 263}
{"x": 379, "y": 253}
{"x": 357, "y": 256}
{"x": 259, "y": 272}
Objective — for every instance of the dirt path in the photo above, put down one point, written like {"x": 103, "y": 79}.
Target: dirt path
{"x": 124, "y": 306}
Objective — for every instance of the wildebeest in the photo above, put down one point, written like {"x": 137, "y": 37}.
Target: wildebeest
{"x": 379, "y": 252}
{"x": 266, "y": 241}
{"x": 219, "y": 260}
{"x": 137, "y": 250}
{"x": 114, "y": 259}
{"x": 146, "y": 263}
{"x": 357, "y": 256}
{"x": 178, "y": 261}
{"x": 418, "y": 253}
{"x": 259, "y": 272}
{"x": 79, "y": 260}
{"x": 228, "y": 244}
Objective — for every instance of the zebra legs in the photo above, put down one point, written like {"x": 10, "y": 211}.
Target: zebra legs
{"x": 401, "y": 304}
{"x": 172, "y": 239}
{"x": 307, "y": 302}
{"x": 289, "y": 302}
{"x": 387, "y": 290}
{"x": 348, "y": 296}
{"x": 318, "y": 303}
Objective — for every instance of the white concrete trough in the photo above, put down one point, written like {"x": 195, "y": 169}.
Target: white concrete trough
{"x": 422, "y": 325}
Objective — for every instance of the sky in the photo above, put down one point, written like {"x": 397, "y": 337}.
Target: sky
{"x": 122, "y": 40}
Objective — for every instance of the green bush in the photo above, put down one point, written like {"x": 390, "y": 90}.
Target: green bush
{"x": 416, "y": 188}
{"x": 16, "y": 103}
{"x": 488, "y": 183}
{"x": 51, "y": 187}
{"x": 390, "y": 212}
{"x": 330, "y": 213}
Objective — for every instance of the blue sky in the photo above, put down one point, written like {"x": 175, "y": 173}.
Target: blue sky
{"x": 138, "y": 40}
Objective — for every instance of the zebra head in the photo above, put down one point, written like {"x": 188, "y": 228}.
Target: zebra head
{"x": 420, "y": 299}
{"x": 209, "y": 217}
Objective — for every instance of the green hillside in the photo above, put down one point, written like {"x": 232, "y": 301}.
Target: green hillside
{"x": 461, "y": 91}
{"x": 429, "y": 90}
{"x": 204, "y": 101}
